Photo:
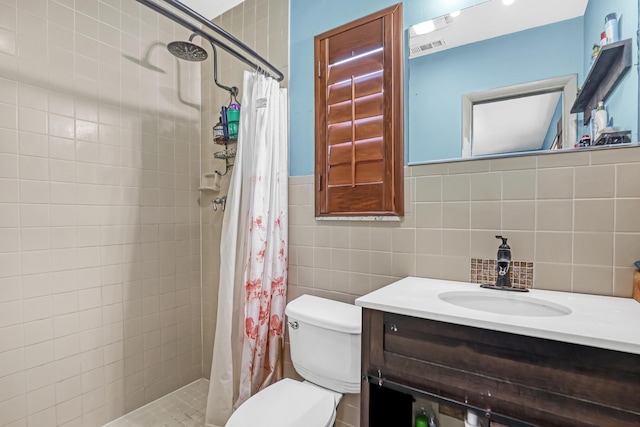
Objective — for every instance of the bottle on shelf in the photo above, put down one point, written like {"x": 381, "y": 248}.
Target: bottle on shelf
{"x": 600, "y": 120}
{"x": 594, "y": 53}
{"x": 471, "y": 419}
{"x": 233, "y": 119}
{"x": 611, "y": 28}
{"x": 421, "y": 418}
{"x": 218, "y": 132}
{"x": 225, "y": 123}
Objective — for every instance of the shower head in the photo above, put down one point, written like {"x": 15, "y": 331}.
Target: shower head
{"x": 187, "y": 51}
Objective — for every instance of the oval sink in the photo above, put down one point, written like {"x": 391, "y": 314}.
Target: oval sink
{"x": 505, "y": 303}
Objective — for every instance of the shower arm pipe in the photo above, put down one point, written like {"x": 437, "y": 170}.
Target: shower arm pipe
{"x": 267, "y": 67}
{"x": 232, "y": 90}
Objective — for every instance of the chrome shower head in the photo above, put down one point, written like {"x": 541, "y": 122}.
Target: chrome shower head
{"x": 187, "y": 51}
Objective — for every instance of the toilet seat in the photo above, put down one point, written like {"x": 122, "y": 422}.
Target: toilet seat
{"x": 287, "y": 403}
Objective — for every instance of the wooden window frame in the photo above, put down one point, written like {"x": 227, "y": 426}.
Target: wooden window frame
{"x": 392, "y": 201}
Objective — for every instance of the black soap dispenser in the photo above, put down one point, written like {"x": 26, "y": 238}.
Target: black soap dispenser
{"x": 503, "y": 269}
{"x": 503, "y": 264}
{"x": 504, "y": 250}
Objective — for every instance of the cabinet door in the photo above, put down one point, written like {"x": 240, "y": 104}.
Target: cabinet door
{"x": 538, "y": 381}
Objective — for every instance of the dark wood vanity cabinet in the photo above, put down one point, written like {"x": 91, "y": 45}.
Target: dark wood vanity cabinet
{"x": 537, "y": 381}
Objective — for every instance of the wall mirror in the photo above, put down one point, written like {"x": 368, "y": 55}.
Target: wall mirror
{"x": 496, "y": 79}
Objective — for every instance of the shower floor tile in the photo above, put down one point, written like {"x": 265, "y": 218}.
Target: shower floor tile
{"x": 183, "y": 407}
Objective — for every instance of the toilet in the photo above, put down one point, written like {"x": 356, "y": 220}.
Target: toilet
{"x": 324, "y": 337}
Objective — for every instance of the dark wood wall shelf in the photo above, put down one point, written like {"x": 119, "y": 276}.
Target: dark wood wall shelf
{"x": 613, "y": 62}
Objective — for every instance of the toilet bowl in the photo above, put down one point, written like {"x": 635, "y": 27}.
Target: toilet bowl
{"x": 288, "y": 403}
{"x": 324, "y": 340}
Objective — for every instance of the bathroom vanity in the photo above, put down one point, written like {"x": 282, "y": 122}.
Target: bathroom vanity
{"x": 538, "y": 359}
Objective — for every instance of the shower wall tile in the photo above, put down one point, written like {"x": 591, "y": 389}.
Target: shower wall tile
{"x": 263, "y": 26}
{"x": 94, "y": 144}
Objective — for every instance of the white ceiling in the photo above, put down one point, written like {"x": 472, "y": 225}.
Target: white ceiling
{"x": 492, "y": 19}
{"x": 211, "y": 8}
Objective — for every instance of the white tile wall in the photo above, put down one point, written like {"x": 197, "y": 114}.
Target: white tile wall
{"x": 99, "y": 167}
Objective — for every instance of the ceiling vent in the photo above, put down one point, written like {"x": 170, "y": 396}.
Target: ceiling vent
{"x": 426, "y": 48}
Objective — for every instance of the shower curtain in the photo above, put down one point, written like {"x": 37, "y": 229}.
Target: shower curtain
{"x": 253, "y": 253}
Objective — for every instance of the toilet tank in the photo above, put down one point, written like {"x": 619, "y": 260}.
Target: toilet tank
{"x": 324, "y": 337}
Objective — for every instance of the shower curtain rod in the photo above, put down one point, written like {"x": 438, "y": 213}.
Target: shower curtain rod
{"x": 267, "y": 67}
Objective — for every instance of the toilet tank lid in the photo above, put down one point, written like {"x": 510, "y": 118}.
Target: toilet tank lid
{"x": 326, "y": 313}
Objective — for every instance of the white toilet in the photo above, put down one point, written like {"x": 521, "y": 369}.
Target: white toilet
{"x": 325, "y": 350}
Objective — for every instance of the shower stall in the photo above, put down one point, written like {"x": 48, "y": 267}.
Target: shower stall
{"x": 109, "y": 253}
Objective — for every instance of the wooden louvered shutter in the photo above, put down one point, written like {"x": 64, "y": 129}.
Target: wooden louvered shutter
{"x": 359, "y": 117}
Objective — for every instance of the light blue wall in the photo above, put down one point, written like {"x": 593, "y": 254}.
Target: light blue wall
{"x": 553, "y": 127}
{"x": 309, "y": 18}
{"x": 435, "y": 98}
{"x": 622, "y": 104}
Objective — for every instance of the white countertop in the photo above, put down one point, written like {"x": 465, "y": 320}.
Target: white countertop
{"x": 597, "y": 321}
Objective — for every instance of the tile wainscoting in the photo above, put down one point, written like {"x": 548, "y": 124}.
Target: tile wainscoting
{"x": 574, "y": 215}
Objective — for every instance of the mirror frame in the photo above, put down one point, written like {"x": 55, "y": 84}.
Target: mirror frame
{"x": 566, "y": 84}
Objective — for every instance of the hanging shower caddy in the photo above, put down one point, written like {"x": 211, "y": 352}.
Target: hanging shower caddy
{"x": 226, "y": 131}
{"x": 227, "y": 154}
